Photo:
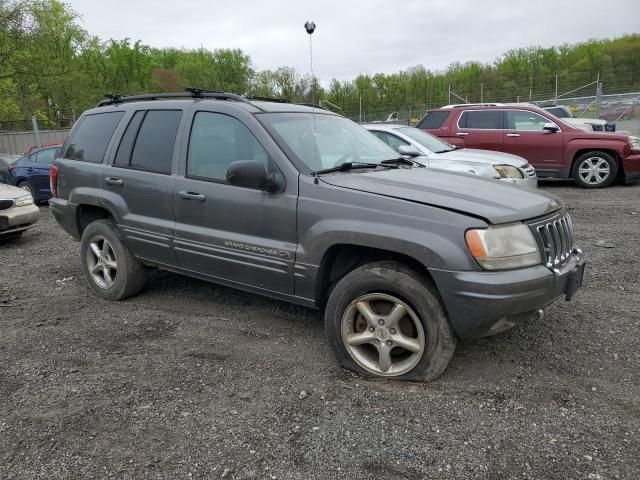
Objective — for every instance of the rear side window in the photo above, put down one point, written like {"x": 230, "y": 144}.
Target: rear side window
{"x": 89, "y": 141}
{"x": 123, "y": 157}
{"x": 433, "y": 120}
{"x": 481, "y": 119}
{"x": 153, "y": 149}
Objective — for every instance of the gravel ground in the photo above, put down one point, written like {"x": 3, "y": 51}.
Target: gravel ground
{"x": 192, "y": 380}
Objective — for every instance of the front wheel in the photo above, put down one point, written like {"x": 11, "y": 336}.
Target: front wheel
{"x": 383, "y": 319}
{"x": 110, "y": 268}
{"x": 594, "y": 170}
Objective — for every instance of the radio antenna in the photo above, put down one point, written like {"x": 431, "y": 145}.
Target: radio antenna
{"x": 310, "y": 27}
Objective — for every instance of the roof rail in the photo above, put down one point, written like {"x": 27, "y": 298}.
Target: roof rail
{"x": 267, "y": 99}
{"x": 463, "y": 105}
{"x": 113, "y": 98}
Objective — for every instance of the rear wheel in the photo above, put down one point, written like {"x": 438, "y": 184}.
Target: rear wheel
{"x": 383, "y": 319}
{"x": 594, "y": 170}
{"x": 112, "y": 271}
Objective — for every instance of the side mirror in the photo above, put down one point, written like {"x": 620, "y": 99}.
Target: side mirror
{"x": 551, "y": 127}
{"x": 409, "y": 151}
{"x": 252, "y": 174}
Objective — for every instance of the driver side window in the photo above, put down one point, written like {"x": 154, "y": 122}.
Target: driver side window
{"x": 218, "y": 140}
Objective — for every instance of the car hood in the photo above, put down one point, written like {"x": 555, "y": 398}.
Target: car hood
{"x": 11, "y": 192}
{"x": 585, "y": 121}
{"x": 496, "y": 202}
{"x": 488, "y": 157}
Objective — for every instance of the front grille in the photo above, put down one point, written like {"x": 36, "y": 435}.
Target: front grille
{"x": 6, "y": 204}
{"x": 529, "y": 171}
{"x": 555, "y": 236}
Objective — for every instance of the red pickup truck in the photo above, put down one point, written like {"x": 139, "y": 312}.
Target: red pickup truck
{"x": 554, "y": 148}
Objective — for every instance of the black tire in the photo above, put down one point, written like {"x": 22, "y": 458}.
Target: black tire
{"x": 398, "y": 281}
{"x": 27, "y": 187}
{"x": 130, "y": 276}
{"x": 597, "y": 180}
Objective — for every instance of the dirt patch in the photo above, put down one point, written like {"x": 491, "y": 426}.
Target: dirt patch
{"x": 193, "y": 380}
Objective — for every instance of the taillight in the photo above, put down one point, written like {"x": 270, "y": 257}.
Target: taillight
{"x": 11, "y": 168}
{"x": 53, "y": 180}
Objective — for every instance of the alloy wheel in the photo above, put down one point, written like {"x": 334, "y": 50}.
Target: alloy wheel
{"x": 101, "y": 262}
{"x": 594, "y": 170}
{"x": 383, "y": 334}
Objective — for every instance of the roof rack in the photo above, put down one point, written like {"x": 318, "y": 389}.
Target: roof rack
{"x": 261, "y": 98}
{"x": 113, "y": 98}
{"x": 463, "y": 105}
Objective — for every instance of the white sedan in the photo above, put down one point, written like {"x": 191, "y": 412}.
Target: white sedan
{"x": 433, "y": 152}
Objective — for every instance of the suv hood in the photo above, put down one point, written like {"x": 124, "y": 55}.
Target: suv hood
{"x": 494, "y": 201}
{"x": 482, "y": 156}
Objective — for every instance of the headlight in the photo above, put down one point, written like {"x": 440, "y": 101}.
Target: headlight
{"x": 507, "y": 171}
{"x": 24, "y": 201}
{"x": 503, "y": 248}
{"x": 634, "y": 143}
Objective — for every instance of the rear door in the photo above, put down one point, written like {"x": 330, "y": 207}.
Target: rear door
{"x": 139, "y": 183}
{"x": 478, "y": 129}
{"x": 524, "y": 135}
{"x": 39, "y": 175}
{"x": 239, "y": 236}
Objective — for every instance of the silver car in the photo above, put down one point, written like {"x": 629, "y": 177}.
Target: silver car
{"x": 434, "y": 152}
{"x": 17, "y": 211}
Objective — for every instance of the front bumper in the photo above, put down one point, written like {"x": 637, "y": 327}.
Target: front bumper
{"x": 531, "y": 182}
{"x": 631, "y": 165}
{"x": 479, "y": 303}
{"x": 17, "y": 219}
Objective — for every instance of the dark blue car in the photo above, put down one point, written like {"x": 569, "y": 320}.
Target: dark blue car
{"x": 31, "y": 172}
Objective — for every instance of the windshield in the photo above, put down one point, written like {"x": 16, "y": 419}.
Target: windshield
{"x": 428, "y": 141}
{"x": 336, "y": 140}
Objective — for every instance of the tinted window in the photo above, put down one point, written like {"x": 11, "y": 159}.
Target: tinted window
{"x": 523, "y": 120}
{"x": 45, "y": 157}
{"x": 123, "y": 157}
{"x": 484, "y": 119}
{"x": 153, "y": 150}
{"x": 216, "y": 141}
{"x": 433, "y": 120}
{"x": 90, "y": 139}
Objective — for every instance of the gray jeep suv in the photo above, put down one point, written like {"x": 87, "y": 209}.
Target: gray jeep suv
{"x": 303, "y": 205}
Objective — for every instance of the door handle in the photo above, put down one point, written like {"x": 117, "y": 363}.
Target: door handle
{"x": 198, "y": 197}
{"x": 462, "y": 134}
{"x": 513, "y": 134}
{"x": 113, "y": 181}
{"x": 30, "y": 169}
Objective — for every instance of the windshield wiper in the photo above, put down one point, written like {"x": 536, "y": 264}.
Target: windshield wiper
{"x": 445, "y": 151}
{"x": 346, "y": 166}
{"x": 401, "y": 160}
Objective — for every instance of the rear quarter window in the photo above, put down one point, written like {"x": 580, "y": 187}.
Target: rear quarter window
{"x": 91, "y": 137}
{"x": 433, "y": 120}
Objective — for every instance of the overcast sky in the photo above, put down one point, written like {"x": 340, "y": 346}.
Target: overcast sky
{"x": 363, "y": 36}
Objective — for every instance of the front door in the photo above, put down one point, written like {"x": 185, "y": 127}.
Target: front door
{"x": 525, "y": 136}
{"x": 239, "y": 236}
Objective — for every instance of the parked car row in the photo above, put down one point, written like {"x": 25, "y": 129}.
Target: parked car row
{"x": 30, "y": 172}
{"x": 554, "y": 147}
